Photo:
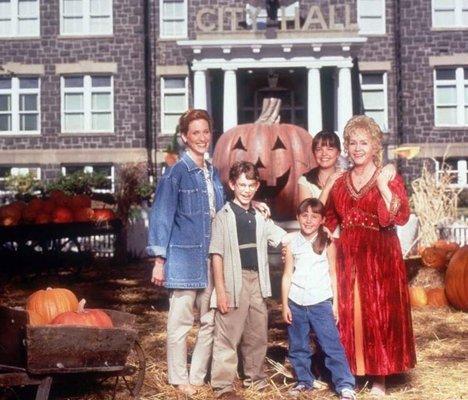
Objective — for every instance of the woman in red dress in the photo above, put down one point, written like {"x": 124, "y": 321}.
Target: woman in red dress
{"x": 374, "y": 311}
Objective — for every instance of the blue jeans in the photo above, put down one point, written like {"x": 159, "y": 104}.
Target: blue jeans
{"x": 318, "y": 317}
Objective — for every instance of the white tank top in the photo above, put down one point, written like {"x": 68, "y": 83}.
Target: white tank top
{"x": 310, "y": 283}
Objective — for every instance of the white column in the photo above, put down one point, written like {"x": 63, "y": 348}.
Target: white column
{"x": 200, "y": 90}
{"x": 229, "y": 100}
{"x": 345, "y": 99}
{"x": 314, "y": 102}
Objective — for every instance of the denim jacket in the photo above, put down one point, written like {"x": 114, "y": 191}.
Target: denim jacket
{"x": 180, "y": 223}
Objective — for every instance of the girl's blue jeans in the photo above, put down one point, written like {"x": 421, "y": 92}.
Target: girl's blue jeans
{"x": 319, "y": 318}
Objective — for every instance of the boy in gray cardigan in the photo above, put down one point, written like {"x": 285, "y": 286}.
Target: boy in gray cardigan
{"x": 239, "y": 244}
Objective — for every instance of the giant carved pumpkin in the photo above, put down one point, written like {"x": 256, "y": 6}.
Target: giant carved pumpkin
{"x": 456, "y": 279}
{"x": 282, "y": 153}
{"x": 51, "y": 302}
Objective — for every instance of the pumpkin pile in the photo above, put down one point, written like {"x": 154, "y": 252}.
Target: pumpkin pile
{"x": 61, "y": 307}
{"x": 57, "y": 208}
{"x": 450, "y": 262}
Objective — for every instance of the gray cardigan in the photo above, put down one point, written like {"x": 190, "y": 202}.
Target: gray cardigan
{"x": 225, "y": 243}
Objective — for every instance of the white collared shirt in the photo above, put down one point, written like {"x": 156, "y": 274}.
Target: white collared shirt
{"x": 310, "y": 283}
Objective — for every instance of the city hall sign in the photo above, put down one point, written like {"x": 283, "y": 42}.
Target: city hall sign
{"x": 213, "y": 19}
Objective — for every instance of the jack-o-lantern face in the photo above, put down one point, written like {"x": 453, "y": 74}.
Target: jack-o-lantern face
{"x": 281, "y": 152}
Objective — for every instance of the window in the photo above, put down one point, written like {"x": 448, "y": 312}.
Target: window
{"x": 174, "y": 101}
{"x": 87, "y": 103}
{"x": 105, "y": 170}
{"x": 371, "y": 17}
{"x": 374, "y": 97}
{"x": 7, "y": 172}
{"x": 19, "y": 105}
{"x": 449, "y": 13}
{"x": 457, "y": 167}
{"x": 173, "y": 18}
{"x": 19, "y": 18}
{"x": 85, "y": 17}
{"x": 451, "y": 96}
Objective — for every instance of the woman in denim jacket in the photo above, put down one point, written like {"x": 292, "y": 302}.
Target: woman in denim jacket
{"x": 187, "y": 198}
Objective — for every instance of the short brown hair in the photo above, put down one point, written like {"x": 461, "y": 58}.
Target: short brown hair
{"x": 191, "y": 115}
{"x": 326, "y": 138}
{"x": 243, "y": 167}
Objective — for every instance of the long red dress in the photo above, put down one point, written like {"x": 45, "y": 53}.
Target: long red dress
{"x": 370, "y": 260}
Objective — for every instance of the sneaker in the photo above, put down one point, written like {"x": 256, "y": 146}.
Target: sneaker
{"x": 298, "y": 389}
{"x": 259, "y": 384}
{"x": 348, "y": 394}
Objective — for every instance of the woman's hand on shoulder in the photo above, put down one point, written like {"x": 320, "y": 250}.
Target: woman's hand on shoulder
{"x": 262, "y": 208}
{"x": 157, "y": 276}
{"x": 333, "y": 178}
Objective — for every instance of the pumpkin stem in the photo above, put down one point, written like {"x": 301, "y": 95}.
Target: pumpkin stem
{"x": 81, "y": 305}
{"x": 270, "y": 111}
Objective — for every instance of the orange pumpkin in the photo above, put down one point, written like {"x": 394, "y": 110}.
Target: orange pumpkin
{"x": 35, "y": 319}
{"x": 103, "y": 214}
{"x": 433, "y": 257}
{"x": 449, "y": 247}
{"x": 35, "y": 204}
{"x": 456, "y": 279}
{"x": 436, "y": 297}
{"x": 11, "y": 213}
{"x": 51, "y": 302}
{"x": 84, "y": 317}
{"x": 418, "y": 297}
{"x": 80, "y": 201}
{"x": 83, "y": 214}
{"x": 62, "y": 215}
{"x": 43, "y": 218}
{"x": 59, "y": 198}
{"x": 282, "y": 153}
{"x": 48, "y": 206}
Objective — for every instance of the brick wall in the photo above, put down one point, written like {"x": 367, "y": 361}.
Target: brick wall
{"x": 125, "y": 47}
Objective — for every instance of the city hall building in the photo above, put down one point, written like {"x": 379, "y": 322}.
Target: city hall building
{"x": 93, "y": 84}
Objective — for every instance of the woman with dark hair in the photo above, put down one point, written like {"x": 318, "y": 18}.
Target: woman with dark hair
{"x": 186, "y": 200}
{"x": 374, "y": 313}
{"x": 318, "y": 181}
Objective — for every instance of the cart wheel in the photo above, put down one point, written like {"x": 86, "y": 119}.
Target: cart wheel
{"x": 130, "y": 380}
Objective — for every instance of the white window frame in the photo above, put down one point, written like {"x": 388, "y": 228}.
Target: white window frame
{"x": 461, "y": 171}
{"x": 458, "y": 10}
{"x": 163, "y": 20}
{"x": 165, "y": 92}
{"x": 86, "y": 10}
{"x": 17, "y": 171}
{"x": 377, "y": 87}
{"x": 14, "y": 31}
{"x": 87, "y": 90}
{"x": 88, "y": 168}
{"x": 460, "y": 83}
{"x": 15, "y": 92}
{"x": 363, "y": 15}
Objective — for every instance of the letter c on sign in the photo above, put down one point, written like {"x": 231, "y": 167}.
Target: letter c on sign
{"x": 205, "y": 26}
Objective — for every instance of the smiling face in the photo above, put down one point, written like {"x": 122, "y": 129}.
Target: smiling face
{"x": 309, "y": 221}
{"x": 361, "y": 148}
{"x": 244, "y": 190}
{"x": 326, "y": 155}
{"x": 198, "y": 137}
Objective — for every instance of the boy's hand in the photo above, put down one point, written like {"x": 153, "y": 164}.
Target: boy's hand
{"x": 223, "y": 303}
{"x": 157, "y": 276}
{"x": 287, "y": 315}
{"x": 335, "y": 312}
{"x": 262, "y": 208}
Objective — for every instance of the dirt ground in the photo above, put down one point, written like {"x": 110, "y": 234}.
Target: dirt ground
{"x": 441, "y": 340}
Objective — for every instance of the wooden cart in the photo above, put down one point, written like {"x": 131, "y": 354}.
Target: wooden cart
{"x": 36, "y": 355}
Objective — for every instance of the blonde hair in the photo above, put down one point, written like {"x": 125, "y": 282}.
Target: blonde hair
{"x": 368, "y": 125}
